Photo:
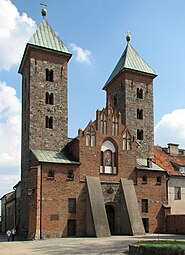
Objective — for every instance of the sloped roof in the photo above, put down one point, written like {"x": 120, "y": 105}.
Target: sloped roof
{"x": 45, "y": 37}
{"x": 167, "y": 161}
{"x": 130, "y": 60}
{"x": 142, "y": 165}
{"x": 47, "y": 156}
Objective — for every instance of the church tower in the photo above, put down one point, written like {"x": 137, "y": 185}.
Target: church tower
{"x": 130, "y": 88}
{"x": 44, "y": 98}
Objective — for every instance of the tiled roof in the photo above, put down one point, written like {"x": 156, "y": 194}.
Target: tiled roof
{"x": 142, "y": 165}
{"x": 167, "y": 161}
{"x": 130, "y": 60}
{"x": 47, "y": 156}
{"x": 45, "y": 37}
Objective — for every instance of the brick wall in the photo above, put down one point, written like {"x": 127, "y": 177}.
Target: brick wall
{"x": 175, "y": 223}
{"x": 156, "y": 195}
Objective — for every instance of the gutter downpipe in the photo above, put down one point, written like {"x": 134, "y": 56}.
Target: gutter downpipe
{"x": 167, "y": 180}
{"x": 41, "y": 201}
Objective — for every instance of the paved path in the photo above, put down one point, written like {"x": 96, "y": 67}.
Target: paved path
{"x": 98, "y": 246}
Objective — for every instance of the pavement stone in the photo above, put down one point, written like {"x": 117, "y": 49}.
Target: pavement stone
{"x": 117, "y": 245}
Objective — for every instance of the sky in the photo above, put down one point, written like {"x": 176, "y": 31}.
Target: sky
{"x": 94, "y": 31}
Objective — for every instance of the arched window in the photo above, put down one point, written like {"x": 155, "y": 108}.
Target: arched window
{"x": 158, "y": 180}
{"x": 139, "y": 93}
{"x": 108, "y": 158}
{"x": 90, "y": 137}
{"x": 103, "y": 123}
{"x": 51, "y": 99}
{"x": 70, "y": 174}
{"x": 126, "y": 141}
{"x": 49, "y": 122}
{"x": 51, "y": 174}
{"x": 139, "y": 134}
{"x": 115, "y": 130}
{"x": 49, "y": 74}
{"x": 47, "y": 98}
{"x": 144, "y": 179}
{"x": 139, "y": 114}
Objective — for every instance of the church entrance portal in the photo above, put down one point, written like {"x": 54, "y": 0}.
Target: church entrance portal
{"x": 111, "y": 218}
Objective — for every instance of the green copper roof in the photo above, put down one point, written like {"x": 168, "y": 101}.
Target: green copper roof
{"x": 46, "y": 38}
{"x": 47, "y": 156}
{"x": 130, "y": 60}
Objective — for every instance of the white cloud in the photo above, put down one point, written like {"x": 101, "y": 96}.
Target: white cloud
{"x": 82, "y": 55}
{"x": 7, "y": 182}
{"x": 171, "y": 129}
{"x": 10, "y": 127}
{"x": 15, "y": 31}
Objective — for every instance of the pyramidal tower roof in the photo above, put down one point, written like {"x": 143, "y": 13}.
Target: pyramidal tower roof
{"x": 45, "y": 37}
{"x": 130, "y": 60}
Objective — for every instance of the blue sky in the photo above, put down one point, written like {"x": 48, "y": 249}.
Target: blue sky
{"x": 94, "y": 31}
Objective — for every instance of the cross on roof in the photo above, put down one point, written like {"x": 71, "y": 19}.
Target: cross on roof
{"x": 43, "y": 3}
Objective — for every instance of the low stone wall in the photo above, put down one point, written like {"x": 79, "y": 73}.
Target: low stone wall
{"x": 135, "y": 249}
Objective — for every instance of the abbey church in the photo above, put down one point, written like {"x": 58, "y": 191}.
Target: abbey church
{"x": 103, "y": 182}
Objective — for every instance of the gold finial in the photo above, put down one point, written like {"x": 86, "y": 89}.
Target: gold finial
{"x": 128, "y": 37}
{"x": 44, "y": 11}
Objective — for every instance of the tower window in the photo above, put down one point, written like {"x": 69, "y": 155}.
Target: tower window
{"x": 115, "y": 125}
{"x": 126, "y": 141}
{"x": 49, "y": 75}
{"x": 139, "y": 114}
{"x": 49, "y": 122}
{"x": 90, "y": 137}
{"x": 49, "y": 98}
{"x": 103, "y": 123}
{"x": 139, "y": 134}
{"x": 139, "y": 93}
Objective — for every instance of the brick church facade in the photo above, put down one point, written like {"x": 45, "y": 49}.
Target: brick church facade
{"x": 103, "y": 182}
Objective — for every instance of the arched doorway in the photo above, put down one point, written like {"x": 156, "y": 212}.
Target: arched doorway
{"x": 111, "y": 218}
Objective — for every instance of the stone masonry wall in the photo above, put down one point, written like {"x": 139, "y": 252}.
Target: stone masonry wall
{"x": 124, "y": 87}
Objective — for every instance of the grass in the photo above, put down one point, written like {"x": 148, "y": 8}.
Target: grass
{"x": 161, "y": 243}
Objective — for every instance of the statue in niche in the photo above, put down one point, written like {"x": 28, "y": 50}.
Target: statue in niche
{"x": 108, "y": 158}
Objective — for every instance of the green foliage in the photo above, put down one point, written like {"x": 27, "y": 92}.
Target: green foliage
{"x": 162, "y": 243}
